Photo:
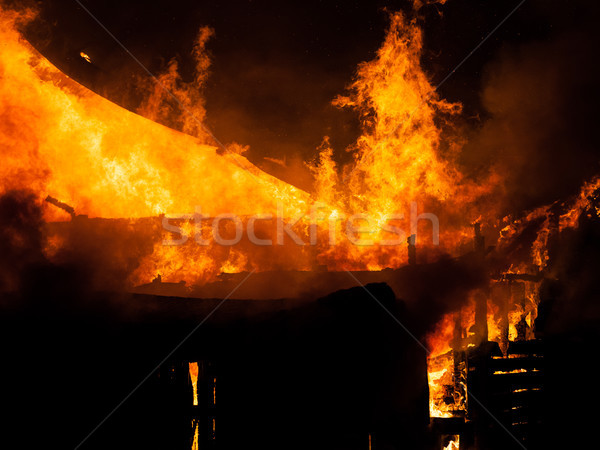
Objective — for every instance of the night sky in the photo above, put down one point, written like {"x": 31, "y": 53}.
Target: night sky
{"x": 529, "y": 92}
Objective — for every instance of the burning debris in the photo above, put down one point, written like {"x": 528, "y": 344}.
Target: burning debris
{"x": 491, "y": 346}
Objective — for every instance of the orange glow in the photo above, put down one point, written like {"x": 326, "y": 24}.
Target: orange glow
{"x": 581, "y": 202}
{"x": 440, "y": 369}
{"x": 196, "y": 438}
{"x": 398, "y": 159}
{"x": 453, "y": 444}
{"x": 61, "y": 139}
{"x": 515, "y": 319}
{"x": 512, "y": 372}
{"x": 214, "y": 391}
{"x": 193, "y": 367}
{"x": 439, "y": 340}
{"x": 107, "y": 161}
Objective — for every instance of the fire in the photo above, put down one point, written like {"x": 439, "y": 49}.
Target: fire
{"x": 196, "y": 438}
{"x": 439, "y": 340}
{"x": 402, "y": 155}
{"x": 437, "y": 379}
{"x": 512, "y": 306}
{"x": 398, "y": 155}
{"x": 570, "y": 218}
{"x": 214, "y": 392}
{"x": 453, "y": 443}
{"x": 62, "y": 140}
{"x": 106, "y": 161}
{"x": 193, "y": 367}
{"x": 512, "y": 372}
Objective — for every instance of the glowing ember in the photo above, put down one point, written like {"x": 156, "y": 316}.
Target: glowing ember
{"x": 85, "y": 56}
{"x": 500, "y": 372}
{"x": 214, "y": 391}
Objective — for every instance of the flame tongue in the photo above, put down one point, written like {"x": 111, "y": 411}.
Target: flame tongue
{"x": 61, "y": 139}
{"x": 398, "y": 155}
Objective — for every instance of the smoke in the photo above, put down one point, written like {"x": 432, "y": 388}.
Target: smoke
{"x": 21, "y": 239}
{"x": 569, "y": 305}
{"x": 540, "y": 101}
{"x": 569, "y": 322}
{"x": 92, "y": 255}
{"x": 281, "y": 108}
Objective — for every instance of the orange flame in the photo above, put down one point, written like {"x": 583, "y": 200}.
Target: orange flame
{"x": 193, "y": 367}
{"x": 62, "y": 140}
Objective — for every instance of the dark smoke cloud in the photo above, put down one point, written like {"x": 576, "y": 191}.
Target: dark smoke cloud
{"x": 570, "y": 296}
{"x": 569, "y": 322}
{"x": 21, "y": 239}
{"x": 107, "y": 251}
{"x": 94, "y": 255}
{"x": 540, "y": 101}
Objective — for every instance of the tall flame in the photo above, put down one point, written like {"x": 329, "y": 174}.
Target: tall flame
{"x": 398, "y": 155}
{"x": 403, "y": 157}
{"x": 60, "y": 139}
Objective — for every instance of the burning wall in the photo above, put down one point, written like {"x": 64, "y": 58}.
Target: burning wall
{"x": 521, "y": 262}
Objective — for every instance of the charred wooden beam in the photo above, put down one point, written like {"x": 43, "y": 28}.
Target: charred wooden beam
{"x": 67, "y": 208}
